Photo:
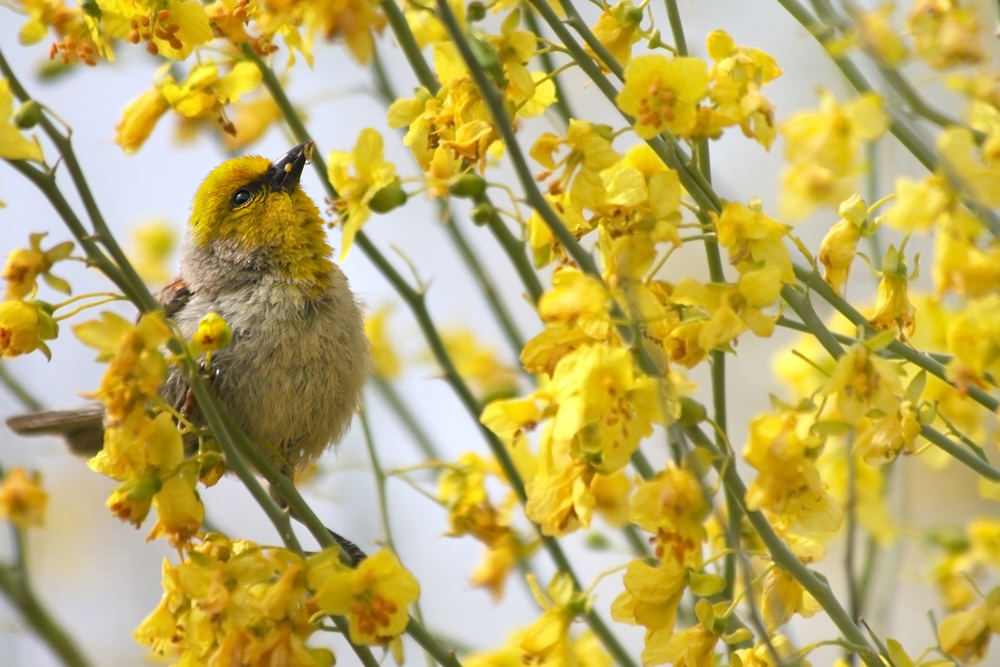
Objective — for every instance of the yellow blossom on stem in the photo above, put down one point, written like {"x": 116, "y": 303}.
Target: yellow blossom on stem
{"x": 617, "y": 29}
{"x": 672, "y": 507}
{"x": 545, "y": 249}
{"x": 878, "y": 37}
{"x": 973, "y": 336}
{"x": 781, "y": 597}
{"x": 24, "y": 265}
{"x": 736, "y": 78}
{"x": 25, "y": 326}
{"x": 133, "y": 498}
{"x": 763, "y": 653}
{"x": 966, "y": 634}
{"x": 691, "y": 647}
{"x": 590, "y": 153}
{"x": 212, "y": 335}
{"x": 179, "y": 511}
{"x": 862, "y": 382}
{"x": 136, "y": 366}
{"x": 80, "y": 37}
{"x": 752, "y": 236}
{"x": 547, "y": 640}
{"x": 22, "y": 499}
{"x": 832, "y": 135}
{"x": 663, "y": 94}
{"x": 919, "y": 205}
{"x": 371, "y": 174}
{"x": 604, "y": 404}
{"x": 354, "y": 21}
{"x": 206, "y": 90}
{"x": 172, "y": 28}
{"x": 559, "y": 497}
{"x": 480, "y": 366}
{"x": 139, "y": 119}
{"x": 13, "y": 145}
{"x": 651, "y": 597}
{"x": 888, "y": 436}
{"x": 840, "y": 245}
{"x": 945, "y": 33}
{"x": 374, "y": 597}
{"x": 962, "y": 162}
{"x": 893, "y": 309}
{"x": 788, "y": 484}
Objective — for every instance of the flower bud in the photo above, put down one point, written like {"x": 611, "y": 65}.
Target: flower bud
{"x": 28, "y": 115}
{"x": 483, "y": 213}
{"x": 390, "y": 197}
{"x": 470, "y": 184}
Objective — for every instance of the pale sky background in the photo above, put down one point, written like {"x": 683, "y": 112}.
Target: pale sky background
{"x": 98, "y": 576}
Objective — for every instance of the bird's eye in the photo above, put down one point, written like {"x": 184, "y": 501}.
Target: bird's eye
{"x": 242, "y": 196}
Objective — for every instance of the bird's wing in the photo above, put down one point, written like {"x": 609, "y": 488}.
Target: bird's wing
{"x": 174, "y": 296}
{"x": 82, "y": 427}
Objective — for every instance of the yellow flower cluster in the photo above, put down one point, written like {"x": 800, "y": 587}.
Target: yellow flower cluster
{"x": 22, "y": 499}
{"x": 233, "y": 600}
{"x": 25, "y": 323}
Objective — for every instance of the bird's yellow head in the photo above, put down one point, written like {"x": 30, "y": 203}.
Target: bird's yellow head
{"x": 258, "y": 207}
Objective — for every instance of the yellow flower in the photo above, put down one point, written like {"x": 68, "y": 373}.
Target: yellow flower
{"x": 354, "y": 20}
{"x": 547, "y": 640}
{"x": 888, "y": 436}
{"x": 25, "y": 326}
{"x": 788, "y": 484}
{"x": 559, "y": 496}
{"x": 945, "y": 33}
{"x": 24, "y": 265}
{"x": 139, "y": 118}
{"x": 179, "y": 511}
{"x": 862, "y": 382}
{"x": 133, "y": 498}
{"x": 371, "y": 174}
{"x": 663, "y": 94}
{"x": 672, "y": 507}
{"x": 590, "y": 153}
{"x": 205, "y": 91}
{"x": 691, "y": 647}
{"x": 918, "y": 206}
{"x": 172, "y": 28}
{"x": 893, "y": 309}
{"x": 22, "y": 499}
{"x": 213, "y": 334}
{"x": 736, "y": 77}
{"x": 840, "y": 245}
{"x": 650, "y": 599}
{"x": 880, "y": 38}
{"x": 136, "y": 366}
{"x": 966, "y": 634}
{"x": 545, "y": 249}
{"x": 832, "y": 135}
{"x": 499, "y": 559}
{"x": 781, "y": 597}
{"x": 13, "y": 145}
{"x": 617, "y": 28}
{"x": 763, "y": 653}
{"x": 374, "y": 597}
{"x": 604, "y": 403}
{"x": 751, "y": 236}
{"x": 973, "y": 336}
{"x": 960, "y": 160}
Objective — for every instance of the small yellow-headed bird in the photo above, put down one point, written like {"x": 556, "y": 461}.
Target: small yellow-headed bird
{"x": 256, "y": 254}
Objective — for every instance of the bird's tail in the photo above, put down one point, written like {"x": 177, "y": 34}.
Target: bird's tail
{"x": 83, "y": 427}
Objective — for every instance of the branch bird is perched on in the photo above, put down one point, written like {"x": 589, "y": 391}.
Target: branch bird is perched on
{"x": 256, "y": 254}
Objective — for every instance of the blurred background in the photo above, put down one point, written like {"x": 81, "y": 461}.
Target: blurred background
{"x": 100, "y": 578}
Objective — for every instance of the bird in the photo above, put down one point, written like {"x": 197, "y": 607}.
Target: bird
{"x": 256, "y": 254}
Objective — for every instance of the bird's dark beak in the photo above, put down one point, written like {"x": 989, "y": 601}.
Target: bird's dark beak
{"x": 284, "y": 172}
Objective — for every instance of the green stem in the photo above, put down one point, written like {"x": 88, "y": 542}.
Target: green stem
{"x": 548, "y": 64}
{"x": 401, "y": 29}
{"x": 18, "y": 590}
{"x": 18, "y": 390}
{"x": 383, "y": 506}
{"x": 676, "y": 27}
{"x": 783, "y": 556}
